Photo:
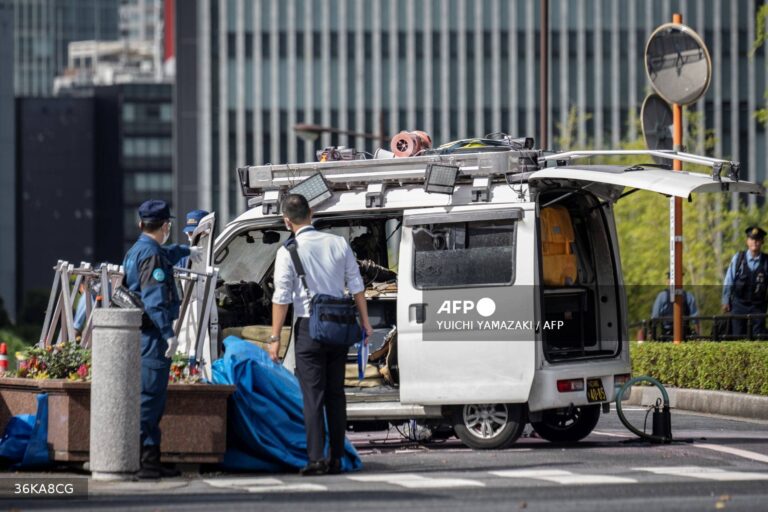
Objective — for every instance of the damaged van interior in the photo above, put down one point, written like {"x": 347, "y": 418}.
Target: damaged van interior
{"x": 246, "y": 286}
{"x": 578, "y": 277}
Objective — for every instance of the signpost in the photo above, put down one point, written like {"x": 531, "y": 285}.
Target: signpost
{"x": 679, "y": 67}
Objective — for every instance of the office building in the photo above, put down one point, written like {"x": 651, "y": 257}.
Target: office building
{"x": 247, "y": 71}
{"x": 7, "y": 163}
{"x": 42, "y": 31}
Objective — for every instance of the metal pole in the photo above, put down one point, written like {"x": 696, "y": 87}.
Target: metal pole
{"x": 677, "y": 165}
{"x": 544, "y": 74}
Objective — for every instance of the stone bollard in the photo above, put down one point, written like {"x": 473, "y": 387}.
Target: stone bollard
{"x": 115, "y": 393}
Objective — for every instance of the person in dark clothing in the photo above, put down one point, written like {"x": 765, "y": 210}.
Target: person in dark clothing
{"x": 148, "y": 271}
{"x": 330, "y": 266}
{"x": 744, "y": 287}
{"x": 663, "y": 307}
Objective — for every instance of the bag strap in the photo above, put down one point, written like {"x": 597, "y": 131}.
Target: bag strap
{"x": 293, "y": 250}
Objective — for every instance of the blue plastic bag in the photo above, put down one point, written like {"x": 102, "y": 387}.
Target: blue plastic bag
{"x": 25, "y": 440}
{"x": 16, "y": 437}
{"x": 265, "y": 423}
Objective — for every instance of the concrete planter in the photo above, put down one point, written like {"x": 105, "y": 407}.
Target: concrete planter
{"x": 194, "y": 425}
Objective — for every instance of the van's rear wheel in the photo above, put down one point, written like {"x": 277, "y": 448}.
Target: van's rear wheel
{"x": 567, "y": 425}
{"x": 488, "y": 426}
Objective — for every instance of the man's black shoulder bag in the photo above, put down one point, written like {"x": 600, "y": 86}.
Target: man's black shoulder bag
{"x": 332, "y": 320}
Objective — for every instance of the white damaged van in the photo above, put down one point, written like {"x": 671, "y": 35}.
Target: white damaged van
{"x": 494, "y": 280}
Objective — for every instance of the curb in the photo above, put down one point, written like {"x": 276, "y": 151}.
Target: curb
{"x": 724, "y": 403}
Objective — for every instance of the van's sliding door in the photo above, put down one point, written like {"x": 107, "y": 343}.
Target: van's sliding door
{"x": 465, "y": 308}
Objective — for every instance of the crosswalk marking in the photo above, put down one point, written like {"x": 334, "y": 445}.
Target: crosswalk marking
{"x": 413, "y": 481}
{"x": 759, "y": 457}
{"x": 288, "y": 488}
{"x": 480, "y": 479}
{"x": 563, "y": 477}
{"x": 262, "y": 484}
{"x": 242, "y": 482}
{"x": 705, "y": 473}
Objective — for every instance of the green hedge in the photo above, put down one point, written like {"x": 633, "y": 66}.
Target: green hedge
{"x": 725, "y": 366}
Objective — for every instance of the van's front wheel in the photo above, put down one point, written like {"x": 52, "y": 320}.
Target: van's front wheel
{"x": 567, "y": 425}
{"x": 488, "y": 426}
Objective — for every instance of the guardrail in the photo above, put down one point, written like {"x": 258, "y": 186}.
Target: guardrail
{"x": 719, "y": 328}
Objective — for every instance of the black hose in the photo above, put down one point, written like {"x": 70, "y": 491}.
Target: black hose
{"x": 626, "y": 423}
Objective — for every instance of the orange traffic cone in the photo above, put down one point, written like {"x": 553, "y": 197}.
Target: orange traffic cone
{"x": 3, "y": 357}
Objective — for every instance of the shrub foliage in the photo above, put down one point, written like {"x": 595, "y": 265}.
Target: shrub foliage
{"x": 725, "y": 366}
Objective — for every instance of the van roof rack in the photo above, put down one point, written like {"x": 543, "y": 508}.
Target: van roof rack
{"x": 716, "y": 164}
{"x": 497, "y": 165}
{"x": 346, "y": 174}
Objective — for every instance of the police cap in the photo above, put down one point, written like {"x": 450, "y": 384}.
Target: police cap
{"x": 193, "y": 219}
{"x": 755, "y": 232}
{"x": 155, "y": 210}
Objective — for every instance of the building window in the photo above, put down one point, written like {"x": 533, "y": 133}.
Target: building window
{"x": 129, "y": 112}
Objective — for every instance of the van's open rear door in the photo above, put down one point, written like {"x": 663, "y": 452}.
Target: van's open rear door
{"x": 465, "y": 306}
{"x": 197, "y": 327}
{"x": 663, "y": 181}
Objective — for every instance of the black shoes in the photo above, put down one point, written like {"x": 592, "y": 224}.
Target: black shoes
{"x": 322, "y": 467}
{"x": 334, "y": 467}
{"x": 317, "y": 468}
{"x": 151, "y": 469}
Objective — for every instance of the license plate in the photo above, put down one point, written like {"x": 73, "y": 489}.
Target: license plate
{"x": 595, "y": 391}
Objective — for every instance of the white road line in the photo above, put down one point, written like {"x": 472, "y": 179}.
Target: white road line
{"x": 597, "y": 432}
{"x": 242, "y": 482}
{"x": 414, "y": 481}
{"x": 287, "y": 488}
{"x": 759, "y": 457}
{"x": 705, "y": 473}
{"x": 562, "y": 477}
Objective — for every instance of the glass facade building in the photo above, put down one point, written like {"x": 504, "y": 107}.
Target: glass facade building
{"x": 247, "y": 71}
{"x": 44, "y": 28}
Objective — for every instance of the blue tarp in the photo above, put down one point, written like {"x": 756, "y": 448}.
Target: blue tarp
{"x": 265, "y": 423}
{"x": 25, "y": 439}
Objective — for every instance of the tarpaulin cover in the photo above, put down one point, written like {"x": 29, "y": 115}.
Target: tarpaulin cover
{"x": 25, "y": 440}
{"x": 265, "y": 423}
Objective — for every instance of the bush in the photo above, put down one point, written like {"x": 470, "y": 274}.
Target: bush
{"x": 724, "y": 366}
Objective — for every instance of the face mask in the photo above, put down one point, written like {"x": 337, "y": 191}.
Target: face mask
{"x": 166, "y": 235}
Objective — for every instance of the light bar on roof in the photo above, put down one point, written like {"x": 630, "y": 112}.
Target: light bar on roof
{"x": 315, "y": 189}
{"x": 441, "y": 178}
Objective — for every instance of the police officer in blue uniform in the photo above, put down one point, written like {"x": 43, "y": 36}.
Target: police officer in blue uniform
{"x": 193, "y": 220}
{"x": 744, "y": 288}
{"x": 148, "y": 269}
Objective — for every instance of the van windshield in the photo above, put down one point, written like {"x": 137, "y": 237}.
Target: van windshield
{"x": 250, "y": 254}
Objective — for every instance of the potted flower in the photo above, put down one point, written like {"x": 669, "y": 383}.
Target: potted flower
{"x": 193, "y": 426}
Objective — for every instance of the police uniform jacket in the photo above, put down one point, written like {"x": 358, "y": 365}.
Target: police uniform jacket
{"x": 148, "y": 270}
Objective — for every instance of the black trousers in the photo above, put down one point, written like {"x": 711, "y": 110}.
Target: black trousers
{"x": 739, "y": 326}
{"x": 320, "y": 370}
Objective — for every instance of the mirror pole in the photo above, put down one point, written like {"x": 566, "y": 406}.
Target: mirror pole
{"x": 544, "y": 75}
{"x": 677, "y": 240}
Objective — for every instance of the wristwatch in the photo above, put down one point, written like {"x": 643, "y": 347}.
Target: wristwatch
{"x": 273, "y": 339}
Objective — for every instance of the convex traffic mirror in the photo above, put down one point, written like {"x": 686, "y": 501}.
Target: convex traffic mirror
{"x": 678, "y": 63}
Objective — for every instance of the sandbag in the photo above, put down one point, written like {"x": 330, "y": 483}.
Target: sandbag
{"x": 265, "y": 421}
{"x": 557, "y": 239}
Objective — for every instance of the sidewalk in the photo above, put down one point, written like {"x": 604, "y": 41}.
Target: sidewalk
{"x": 723, "y": 403}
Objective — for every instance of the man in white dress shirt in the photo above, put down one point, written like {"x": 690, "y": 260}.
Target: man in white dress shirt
{"x": 330, "y": 267}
